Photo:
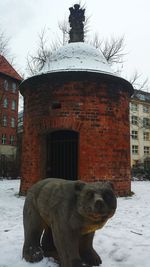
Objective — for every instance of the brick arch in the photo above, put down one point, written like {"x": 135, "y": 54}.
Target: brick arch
{"x": 67, "y": 123}
{"x": 48, "y": 124}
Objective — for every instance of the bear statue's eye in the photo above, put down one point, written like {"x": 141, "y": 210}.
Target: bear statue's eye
{"x": 108, "y": 196}
{"x": 90, "y": 194}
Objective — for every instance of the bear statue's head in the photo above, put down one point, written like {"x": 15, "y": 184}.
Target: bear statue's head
{"x": 96, "y": 201}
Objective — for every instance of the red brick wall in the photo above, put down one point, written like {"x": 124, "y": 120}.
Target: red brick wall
{"x": 98, "y": 111}
{"x": 8, "y": 130}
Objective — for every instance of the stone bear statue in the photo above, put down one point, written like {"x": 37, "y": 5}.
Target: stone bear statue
{"x": 60, "y": 218}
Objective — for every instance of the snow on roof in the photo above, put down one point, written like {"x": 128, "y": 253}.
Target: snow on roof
{"x": 77, "y": 57}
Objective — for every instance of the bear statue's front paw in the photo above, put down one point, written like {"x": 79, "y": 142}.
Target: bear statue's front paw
{"x": 33, "y": 254}
{"x": 52, "y": 254}
{"x": 91, "y": 258}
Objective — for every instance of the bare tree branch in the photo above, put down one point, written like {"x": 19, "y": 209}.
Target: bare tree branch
{"x": 135, "y": 77}
{"x": 96, "y": 42}
{"x": 145, "y": 84}
{"x": 138, "y": 82}
{"x": 4, "y": 44}
{"x": 36, "y": 62}
{"x": 113, "y": 50}
{"x": 64, "y": 28}
{"x": 86, "y": 26}
{"x": 4, "y": 47}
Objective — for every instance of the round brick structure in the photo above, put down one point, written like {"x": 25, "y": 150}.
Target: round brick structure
{"x": 76, "y": 121}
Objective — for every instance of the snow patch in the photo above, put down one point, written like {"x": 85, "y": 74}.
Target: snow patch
{"x": 77, "y": 57}
{"x": 123, "y": 242}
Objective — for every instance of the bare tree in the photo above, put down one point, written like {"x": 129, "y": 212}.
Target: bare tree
{"x": 4, "y": 44}
{"x": 112, "y": 49}
{"x": 64, "y": 28}
{"x": 36, "y": 62}
{"x": 139, "y": 82}
{"x": 5, "y": 48}
{"x": 95, "y": 41}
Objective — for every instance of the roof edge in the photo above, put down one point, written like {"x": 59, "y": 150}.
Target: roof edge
{"x": 11, "y": 76}
{"x": 74, "y": 75}
{"x": 15, "y": 74}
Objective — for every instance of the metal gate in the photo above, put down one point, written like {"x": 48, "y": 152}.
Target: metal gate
{"x": 62, "y": 154}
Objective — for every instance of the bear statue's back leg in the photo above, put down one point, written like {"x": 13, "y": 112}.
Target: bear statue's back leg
{"x": 47, "y": 244}
{"x": 33, "y": 228}
{"x": 87, "y": 252}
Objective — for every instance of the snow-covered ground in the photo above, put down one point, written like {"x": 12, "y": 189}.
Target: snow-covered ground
{"x": 123, "y": 242}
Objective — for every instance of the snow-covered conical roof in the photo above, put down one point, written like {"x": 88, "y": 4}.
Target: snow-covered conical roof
{"x": 77, "y": 56}
{"x": 76, "y": 59}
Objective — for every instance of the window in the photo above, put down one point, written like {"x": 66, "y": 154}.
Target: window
{"x": 147, "y": 164}
{"x": 135, "y": 150}
{"x": 146, "y": 122}
{"x": 20, "y": 120}
{"x": 134, "y": 120}
{"x": 13, "y": 105}
{"x": 146, "y": 136}
{"x": 12, "y": 122}
{"x": 6, "y": 85}
{"x": 20, "y": 123}
{"x": 3, "y": 139}
{"x": 14, "y": 87}
{"x": 4, "y": 121}
{"x": 135, "y": 135}
{"x": 146, "y": 109}
{"x": 146, "y": 150}
{"x": 134, "y": 107}
{"x": 5, "y": 103}
{"x": 12, "y": 140}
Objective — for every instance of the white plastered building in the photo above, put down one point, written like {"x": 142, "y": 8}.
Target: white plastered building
{"x": 140, "y": 128}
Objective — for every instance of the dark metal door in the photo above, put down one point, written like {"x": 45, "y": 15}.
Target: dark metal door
{"x": 62, "y": 154}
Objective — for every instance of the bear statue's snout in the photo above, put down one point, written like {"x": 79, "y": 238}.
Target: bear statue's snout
{"x": 100, "y": 205}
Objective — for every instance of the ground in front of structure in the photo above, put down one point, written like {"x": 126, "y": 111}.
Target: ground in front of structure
{"x": 123, "y": 242}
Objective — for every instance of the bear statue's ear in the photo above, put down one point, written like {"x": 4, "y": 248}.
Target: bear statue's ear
{"x": 111, "y": 185}
{"x": 79, "y": 185}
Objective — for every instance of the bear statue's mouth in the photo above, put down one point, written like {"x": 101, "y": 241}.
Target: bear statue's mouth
{"x": 96, "y": 222}
{"x": 98, "y": 216}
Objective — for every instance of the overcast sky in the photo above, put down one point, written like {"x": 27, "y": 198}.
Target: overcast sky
{"x": 23, "y": 20}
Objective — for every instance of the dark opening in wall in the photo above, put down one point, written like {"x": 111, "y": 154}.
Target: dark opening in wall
{"x": 56, "y": 105}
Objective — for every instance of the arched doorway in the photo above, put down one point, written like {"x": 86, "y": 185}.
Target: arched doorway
{"x": 62, "y": 154}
